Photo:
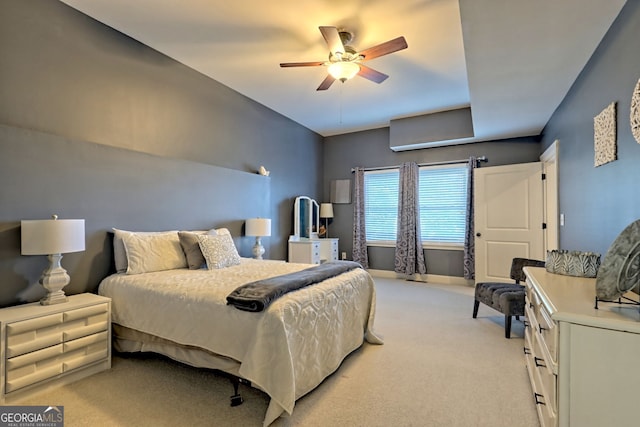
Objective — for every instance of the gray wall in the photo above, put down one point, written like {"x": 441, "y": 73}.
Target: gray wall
{"x": 109, "y": 187}
{"x": 65, "y": 75}
{"x": 371, "y": 149}
{"x": 598, "y": 203}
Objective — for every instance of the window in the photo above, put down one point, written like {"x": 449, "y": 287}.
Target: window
{"x": 443, "y": 203}
{"x": 381, "y": 205}
{"x": 442, "y": 198}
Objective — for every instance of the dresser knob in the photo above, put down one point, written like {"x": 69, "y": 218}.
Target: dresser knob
{"x": 541, "y": 329}
{"x": 538, "y": 363}
{"x": 527, "y": 351}
{"x": 538, "y": 396}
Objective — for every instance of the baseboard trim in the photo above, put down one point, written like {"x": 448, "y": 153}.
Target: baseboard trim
{"x": 428, "y": 278}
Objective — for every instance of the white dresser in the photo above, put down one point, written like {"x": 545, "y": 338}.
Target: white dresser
{"x": 582, "y": 362}
{"x": 44, "y": 346}
{"x": 313, "y": 251}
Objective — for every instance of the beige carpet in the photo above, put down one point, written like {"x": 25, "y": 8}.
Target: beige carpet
{"x": 438, "y": 367}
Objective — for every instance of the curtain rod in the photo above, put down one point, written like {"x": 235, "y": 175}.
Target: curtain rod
{"x": 448, "y": 162}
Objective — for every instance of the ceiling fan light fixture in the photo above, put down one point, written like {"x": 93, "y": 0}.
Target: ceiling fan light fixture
{"x": 343, "y": 71}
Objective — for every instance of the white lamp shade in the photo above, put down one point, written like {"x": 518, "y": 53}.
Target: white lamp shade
{"x": 326, "y": 210}
{"x": 52, "y": 236}
{"x": 258, "y": 227}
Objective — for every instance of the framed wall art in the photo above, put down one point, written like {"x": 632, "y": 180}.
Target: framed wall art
{"x": 635, "y": 112}
{"x": 604, "y": 136}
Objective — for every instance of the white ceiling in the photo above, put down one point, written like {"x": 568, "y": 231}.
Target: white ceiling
{"x": 512, "y": 61}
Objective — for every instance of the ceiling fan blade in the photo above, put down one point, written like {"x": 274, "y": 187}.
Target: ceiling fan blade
{"x": 301, "y": 64}
{"x": 327, "y": 82}
{"x": 385, "y": 48}
{"x": 371, "y": 74}
{"x": 332, "y": 37}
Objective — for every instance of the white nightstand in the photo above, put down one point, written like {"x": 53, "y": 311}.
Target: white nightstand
{"x": 46, "y": 346}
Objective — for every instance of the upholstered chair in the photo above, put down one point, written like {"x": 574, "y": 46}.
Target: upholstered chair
{"x": 507, "y": 298}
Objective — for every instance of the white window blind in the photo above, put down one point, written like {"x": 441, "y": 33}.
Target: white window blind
{"x": 381, "y": 205}
{"x": 442, "y": 198}
{"x": 443, "y": 203}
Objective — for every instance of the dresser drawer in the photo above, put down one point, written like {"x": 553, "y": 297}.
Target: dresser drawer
{"x": 548, "y": 336}
{"x": 547, "y": 375}
{"x": 93, "y": 321}
{"x": 33, "y": 334}
{"x": 542, "y": 327}
{"x": 86, "y": 350}
{"x": 99, "y": 310}
{"x": 33, "y": 358}
{"x": 33, "y": 367}
{"x": 20, "y": 378}
{"x": 543, "y": 382}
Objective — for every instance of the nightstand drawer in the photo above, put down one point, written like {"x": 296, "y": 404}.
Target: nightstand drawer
{"x": 33, "y": 358}
{"x": 87, "y": 312}
{"x": 33, "y": 334}
{"x": 38, "y": 375}
{"x": 101, "y": 339}
{"x": 84, "y": 356}
{"x": 81, "y": 327}
{"x": 40, "y": 323}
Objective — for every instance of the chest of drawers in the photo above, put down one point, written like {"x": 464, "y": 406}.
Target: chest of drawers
{"x": 44, "y": 346}
{"x": 313, "y": 251}
{"x": 581, "y": 360}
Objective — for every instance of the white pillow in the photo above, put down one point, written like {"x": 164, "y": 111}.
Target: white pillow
{"x": 222, "y": 231}
{"x": 153, "y": 252}
{"x": 219, "y": 250}
{"x": 119, "y": 253}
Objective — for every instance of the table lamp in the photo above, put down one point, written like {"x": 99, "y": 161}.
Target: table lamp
{"x": 326, "y": 212}
{"x": 53, "y": 237}
{"x": 258, "y": 227}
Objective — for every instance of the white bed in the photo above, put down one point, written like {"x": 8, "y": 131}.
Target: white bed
{"x": 286, "y": 350}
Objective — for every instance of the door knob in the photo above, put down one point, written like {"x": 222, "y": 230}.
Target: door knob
{"x": 478, "y": 234}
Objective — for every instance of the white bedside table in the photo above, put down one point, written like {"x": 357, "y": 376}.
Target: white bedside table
{"x": 46, "y": 346}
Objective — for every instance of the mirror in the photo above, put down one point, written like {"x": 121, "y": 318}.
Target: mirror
{"x": 306, "y": 218}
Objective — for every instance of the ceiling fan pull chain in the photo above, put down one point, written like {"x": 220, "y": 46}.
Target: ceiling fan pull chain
{"x": 340, "y": 104}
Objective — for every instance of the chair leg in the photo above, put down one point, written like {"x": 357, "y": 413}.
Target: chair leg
{"x": 476, "y": 304}
{"x": 507, "y": 326}
{"x": 517, "y": 317}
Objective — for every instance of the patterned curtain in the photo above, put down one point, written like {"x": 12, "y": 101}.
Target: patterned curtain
{"x": 359, "y": 234}
{"x": 469, "y": 238}
{"x": 409, "y": 253}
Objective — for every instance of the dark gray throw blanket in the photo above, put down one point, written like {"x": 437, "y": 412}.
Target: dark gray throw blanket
{"x": 256, "y": 296}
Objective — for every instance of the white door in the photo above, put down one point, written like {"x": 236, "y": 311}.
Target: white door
{"x": 508, "y": 218}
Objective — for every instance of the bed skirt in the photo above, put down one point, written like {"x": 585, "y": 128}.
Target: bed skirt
{"x": 126, "y": 340}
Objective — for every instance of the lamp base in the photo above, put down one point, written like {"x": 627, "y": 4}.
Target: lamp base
{"x": 258, "y": 249}
{"x": 53, "y": 279}
{"x": 54, "y": 298}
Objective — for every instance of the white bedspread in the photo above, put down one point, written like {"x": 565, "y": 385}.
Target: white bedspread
{"x": 286, "y": 350}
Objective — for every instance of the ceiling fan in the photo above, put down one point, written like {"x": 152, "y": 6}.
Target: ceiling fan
{"x": 345, "y": 62}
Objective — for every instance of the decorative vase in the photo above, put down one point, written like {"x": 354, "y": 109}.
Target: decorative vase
{"x": 573, "y": 263}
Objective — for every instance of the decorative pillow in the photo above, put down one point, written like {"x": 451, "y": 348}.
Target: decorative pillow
{"x": 153, "y": 252}
{"x": 119, "y": 253}
{"x": 219, "y": 251}
{"x": 191, "y": 247}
